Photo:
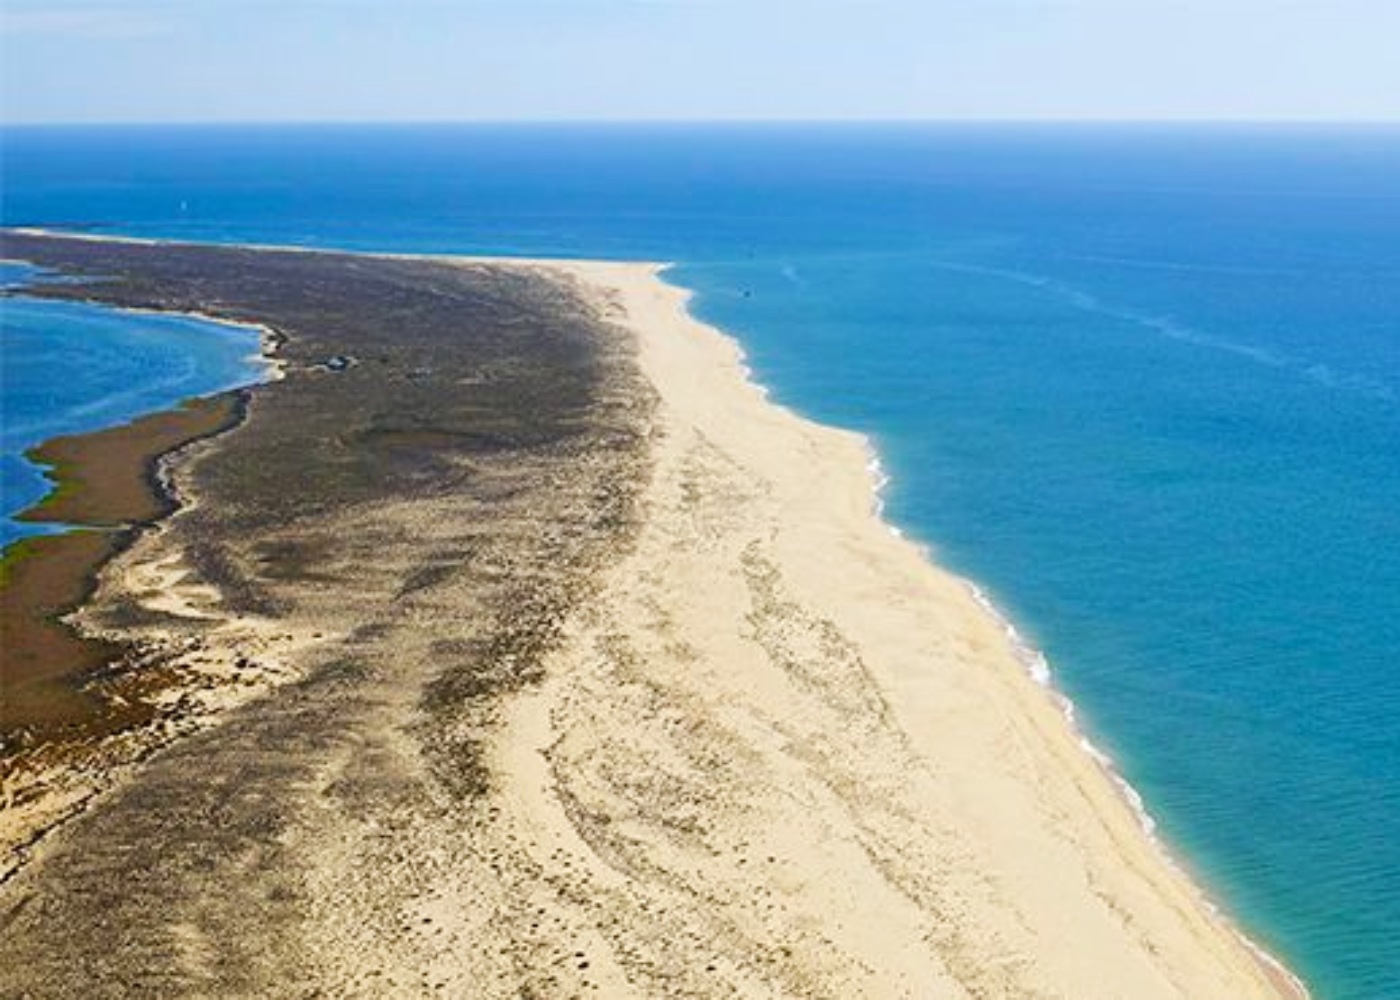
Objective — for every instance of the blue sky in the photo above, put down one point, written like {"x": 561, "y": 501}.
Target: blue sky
{"x": 203, "y": 60}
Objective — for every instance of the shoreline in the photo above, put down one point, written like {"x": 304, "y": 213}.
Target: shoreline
{"x": 104, "y": 484}
{"x": 70, "y": 701}
{"x": 656, "y": 312}
{"x": 69, "y": 698}
{"x": 108, "y": 480}
{"x": 1031, "y": 660}
{"x": 1034, "y": 662}
{"x": 391, "y": 545}
{"x": 65, "y": 481}
{"x": 1038, "y": 669}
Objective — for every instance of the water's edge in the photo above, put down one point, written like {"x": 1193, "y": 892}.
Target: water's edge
{"x": 1032, "y": 659}
{"x": 261, "y": 365}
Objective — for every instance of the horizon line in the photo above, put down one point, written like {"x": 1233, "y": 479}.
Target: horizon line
{"x": 698, "y": 121}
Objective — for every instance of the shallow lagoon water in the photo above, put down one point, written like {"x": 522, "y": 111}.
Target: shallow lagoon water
{"x": 71, "y": 367}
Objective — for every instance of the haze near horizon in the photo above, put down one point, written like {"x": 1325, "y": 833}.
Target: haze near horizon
{"x": 417, "y": 60}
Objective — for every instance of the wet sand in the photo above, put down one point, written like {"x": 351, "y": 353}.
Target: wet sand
{"x": 46, "y": 577}
{"x": 534, "y": 653}
{"x": 107, "y": 485}
{"x": 109, "y": 478}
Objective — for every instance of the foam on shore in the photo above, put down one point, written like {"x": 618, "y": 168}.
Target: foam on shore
{"x": 1275, "y": 979}
{"x": 1037, "y": 666}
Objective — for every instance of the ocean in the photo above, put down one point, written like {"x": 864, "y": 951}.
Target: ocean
{"x": 1140, "y": 383}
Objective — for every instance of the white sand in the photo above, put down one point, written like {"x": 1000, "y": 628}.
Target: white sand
{"x": 787, "y": 746}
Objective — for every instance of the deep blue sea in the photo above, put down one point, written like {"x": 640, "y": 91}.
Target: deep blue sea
{"x": 1141, "y": 383}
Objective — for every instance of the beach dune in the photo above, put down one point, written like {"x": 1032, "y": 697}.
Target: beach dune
{"x": 695, "y": 723}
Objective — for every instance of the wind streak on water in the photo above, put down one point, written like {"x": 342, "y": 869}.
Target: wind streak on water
{"x": 1165, "y": 326}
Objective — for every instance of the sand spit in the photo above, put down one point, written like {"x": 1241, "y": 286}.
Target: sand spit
{"x": 599, "y": 676}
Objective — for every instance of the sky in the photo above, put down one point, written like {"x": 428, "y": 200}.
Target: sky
{"x": 415, "y": 60}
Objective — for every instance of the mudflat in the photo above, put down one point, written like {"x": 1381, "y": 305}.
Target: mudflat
{"x": 106, "y": 486}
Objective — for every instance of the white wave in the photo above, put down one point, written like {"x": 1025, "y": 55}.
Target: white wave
{"x": 879, "y": 478}
{"x": 1035, "y": 662}
{"x": 1038, "y": 667}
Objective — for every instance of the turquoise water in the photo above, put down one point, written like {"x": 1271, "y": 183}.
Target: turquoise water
{"x": 68, "y": 367}
{"x": 1143, "y": 384}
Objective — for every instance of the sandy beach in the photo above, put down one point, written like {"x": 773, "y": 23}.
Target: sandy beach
{"x": 896, "y": 800}
{"x": 695, "y": 723}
